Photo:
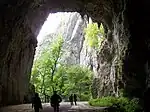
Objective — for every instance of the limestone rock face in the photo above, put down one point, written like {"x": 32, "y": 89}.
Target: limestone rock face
{"x": 71, "y": 28}
{"x": 106, "y": 64}
{"x": 16, "y": 54}
{"x": 103, "y": 64}
{"x": 73, "y": 41}
{"x": 127, "y": 27}
{"x": 136, "y": 63}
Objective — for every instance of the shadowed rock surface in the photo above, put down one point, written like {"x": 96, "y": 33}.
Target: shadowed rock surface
{"x": 126, "y": 25}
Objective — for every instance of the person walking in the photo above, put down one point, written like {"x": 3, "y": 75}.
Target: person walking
{"x": 75, "y": 99}
{"x": 71, "y": 99}
{"x": 55, "y": 100}
{"x": 36, "y": 103}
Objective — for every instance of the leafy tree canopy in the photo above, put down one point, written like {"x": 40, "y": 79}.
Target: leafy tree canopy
{"x": 49, "y": 74}
{"x": 94, "y": 35}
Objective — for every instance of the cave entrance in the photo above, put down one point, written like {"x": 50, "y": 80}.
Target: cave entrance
{"x": 65, "y": 58}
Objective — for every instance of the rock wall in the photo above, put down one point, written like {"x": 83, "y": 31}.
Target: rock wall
{"x": 107, "y": 64}
{"x": 126, "y": 22}
{"x": 71, "y": 28}
{"x": 74, "y": 39}
{"x": 136, "y": 64}
{"x": 16, "y": 52}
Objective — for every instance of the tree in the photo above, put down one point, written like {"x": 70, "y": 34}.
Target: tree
{"x": 94, "y": 35}
{"x": 54, "y": 57}
{"x": 45, "y": 67}
{"x": 49, "y": 73}
{"x": 79, "y": 81}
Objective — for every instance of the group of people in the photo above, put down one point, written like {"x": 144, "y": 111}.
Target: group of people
{"x": 55, "y": 100}
{"x": 73, "y": 98}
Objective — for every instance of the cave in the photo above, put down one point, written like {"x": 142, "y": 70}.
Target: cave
{"x": 126, "y": 26}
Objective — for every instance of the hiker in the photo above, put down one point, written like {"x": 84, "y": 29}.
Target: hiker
{"x": 36, "y": 103}
{"x": 71, "y": 99}
{"x": 55, "y": 100}
{"x": 75, "y": 99}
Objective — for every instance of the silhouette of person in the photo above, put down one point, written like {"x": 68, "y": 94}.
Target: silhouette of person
{"x": 36, "y": 103}
{"x": 147, "y": 100}
{"x": 75, "y": 99}
{"x": 55, "y": 100}
{"x": 25, "y": 99}
{"x": 71, "y": 99}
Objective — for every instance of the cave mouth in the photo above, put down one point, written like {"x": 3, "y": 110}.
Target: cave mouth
{"x": 61, "y": 50}
{"x": 123, "y": 61}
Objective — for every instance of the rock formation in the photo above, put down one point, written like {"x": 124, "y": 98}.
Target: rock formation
{"x": 126, "y": 24}
{"x": 71, "y": 28}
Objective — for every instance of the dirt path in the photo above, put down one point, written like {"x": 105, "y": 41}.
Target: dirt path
{"x": 64, "y": 107}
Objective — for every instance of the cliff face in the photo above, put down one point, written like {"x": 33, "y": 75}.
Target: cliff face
{"x": 17, "y": 51}
{"x": 71, "y": 28}
{"x": 107, "y": 64}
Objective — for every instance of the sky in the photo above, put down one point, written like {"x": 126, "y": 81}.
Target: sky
{"x": 49, "y": 25}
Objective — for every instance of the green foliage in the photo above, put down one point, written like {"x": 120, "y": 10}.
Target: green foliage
{"x": 79, "y": 81}
{"x": 121, "y": 104}
{"x": 49, "y": 74}
{"x": 44, "y": 67}
{"x": 102, "y": 30}
{"x": 91, "y": 36}
{"x": 103, "y": 102}
{"x": 94, "y": 36}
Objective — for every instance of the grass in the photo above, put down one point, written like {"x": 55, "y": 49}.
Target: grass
{"x": 120, "y": 104}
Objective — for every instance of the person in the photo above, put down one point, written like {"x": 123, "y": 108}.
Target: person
{"x": 36, "y": 103}
{"x": 55, "y": 100}
{"x": 71, "y": 99}
{"x": 25, "y": 99}
{"x": 75, "y": 99}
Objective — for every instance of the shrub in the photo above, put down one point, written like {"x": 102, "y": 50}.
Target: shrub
{"x": 121, "y": 104}
{"x": 85, "y": 97}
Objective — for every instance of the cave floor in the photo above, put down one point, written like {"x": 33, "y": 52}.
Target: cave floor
{"x": 64, "y": 107}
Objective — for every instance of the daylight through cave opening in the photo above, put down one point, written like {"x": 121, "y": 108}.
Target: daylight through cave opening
{"x": 65, "y": 58}
{"x": 121, "y": 67}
